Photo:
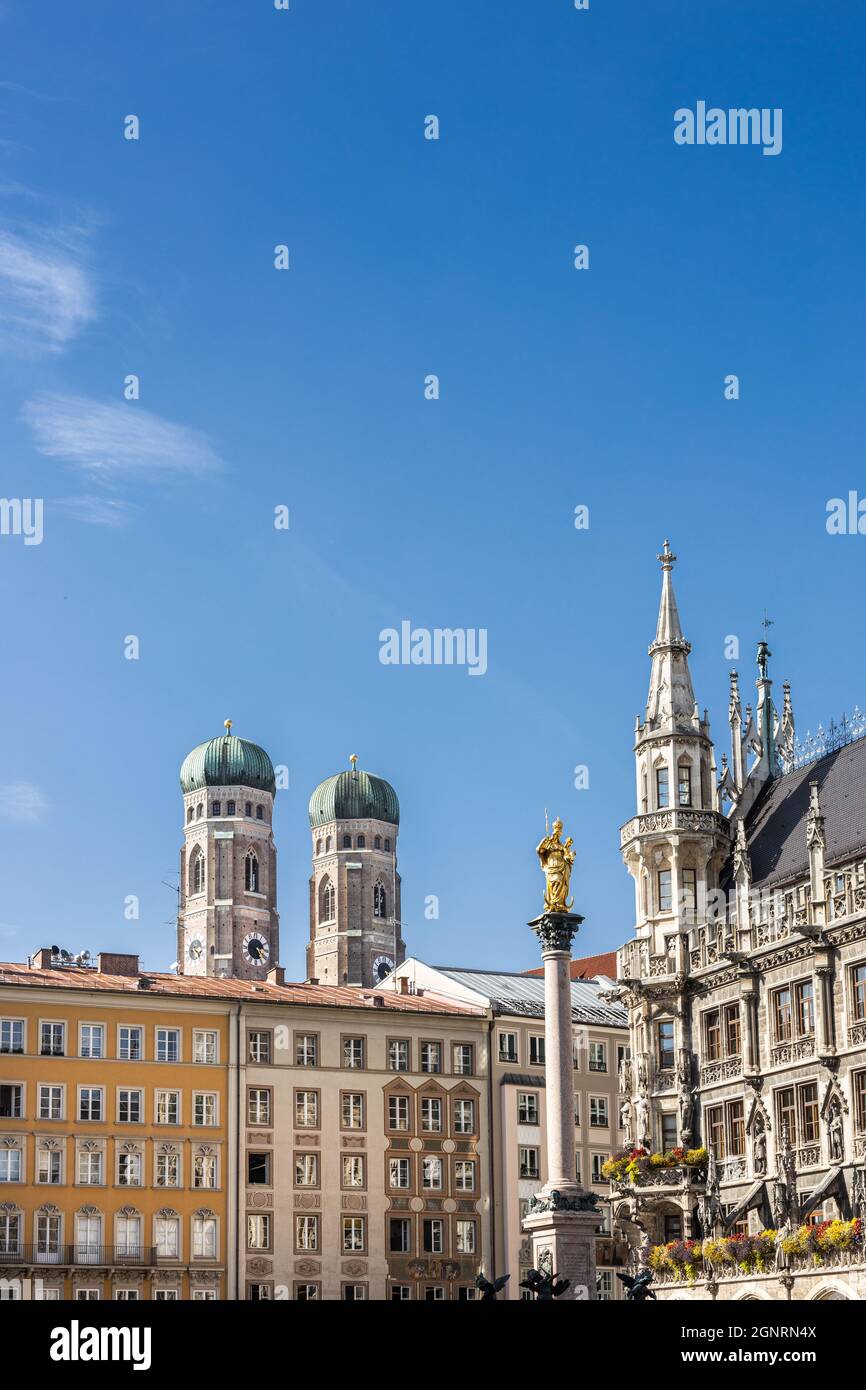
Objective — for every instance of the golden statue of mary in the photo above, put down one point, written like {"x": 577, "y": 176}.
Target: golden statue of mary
{"x": 557, "y": 860}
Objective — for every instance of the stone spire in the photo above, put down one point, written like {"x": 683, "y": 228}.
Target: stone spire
{"x": 671, "y": 699}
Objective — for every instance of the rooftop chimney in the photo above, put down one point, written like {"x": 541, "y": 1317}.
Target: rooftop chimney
{"x": 41, "y": 960}
{"x": 277, "y": 975}
{"x": 113, "y": 963}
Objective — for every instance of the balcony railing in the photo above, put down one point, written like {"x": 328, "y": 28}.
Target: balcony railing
{"x": 116, "y": 1256}
{"x": 677, "y": 818}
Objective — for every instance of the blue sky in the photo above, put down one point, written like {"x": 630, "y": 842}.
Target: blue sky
{"x": 305, "y": 388}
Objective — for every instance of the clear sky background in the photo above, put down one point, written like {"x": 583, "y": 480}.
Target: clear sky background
{"x": 305, "y": 388}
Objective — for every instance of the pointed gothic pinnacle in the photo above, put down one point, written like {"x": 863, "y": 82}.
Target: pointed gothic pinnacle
{"x": 667, "y": 557}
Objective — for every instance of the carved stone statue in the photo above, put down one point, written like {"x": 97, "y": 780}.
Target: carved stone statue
{"x": 625, "y": 1078}
{"x": 687, "y": 1109}
{"x": 780, "y": 1204}
{"x": 626, "y": 1118}
{"x": 759, "y": 1150}
{"x": 835, "y": 1133}
{"x": 642, "y": 1114}
{"x": 557, "y": 861}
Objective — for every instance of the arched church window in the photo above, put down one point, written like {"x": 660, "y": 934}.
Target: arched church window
{"x": 248, "y": 809}
{"x": 215, "y": 809}
{"x": 327, "y": 844}
{"x": 377, "y": 843}
{"x": 684, "y": 784}
{"x": 230, "y": 808}
{"x": 347, "y": 842}
{"x": 361, "y": 842}
{"x": 379, "y": 901}
{"x": 196, "y": 871}
{"x": 327, "y": 901}
{"x": 318, "y": 847}
{"x": 260, "y": 813}
{"x": 251, "y": 872}
{"x": 199, "y": 811}
{"x": 387, "y": 844}
{"x": 189, "y": 815}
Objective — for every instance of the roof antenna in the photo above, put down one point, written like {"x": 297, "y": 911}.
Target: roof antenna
{"x": 546, "y": 823}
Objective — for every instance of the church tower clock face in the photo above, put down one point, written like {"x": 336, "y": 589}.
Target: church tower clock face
{"x": 382, "y": 966}
{"x": 195, "y": 949}
{"x": 255, "y": 948}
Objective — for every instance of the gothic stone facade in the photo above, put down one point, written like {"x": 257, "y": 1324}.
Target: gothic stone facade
{"x": 746, "y": 980}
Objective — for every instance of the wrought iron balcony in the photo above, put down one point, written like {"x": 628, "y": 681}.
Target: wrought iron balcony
{"x": 77, "y": 1254}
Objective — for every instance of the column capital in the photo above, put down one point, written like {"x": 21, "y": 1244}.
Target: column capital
{"x": 556, "y": 931}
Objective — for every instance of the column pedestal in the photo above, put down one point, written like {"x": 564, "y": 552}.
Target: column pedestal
{"x": 563, "y": 1243}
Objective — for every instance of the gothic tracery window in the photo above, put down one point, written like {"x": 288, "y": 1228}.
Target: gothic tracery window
{"x": 196, "y": 871}
{"x": 327, "y": 901}
{"x": 379, "y": 901}
{"x": 251, "y": 873}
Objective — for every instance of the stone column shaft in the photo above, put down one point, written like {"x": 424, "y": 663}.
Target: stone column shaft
{"x": 559, "y": 1070}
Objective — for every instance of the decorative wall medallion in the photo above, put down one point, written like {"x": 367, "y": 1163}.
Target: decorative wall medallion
{"x": 307, "y": 1267}
{"x": 260, "y": 1266}
{"x": 416, "y": 1144}
{"x": 448, "y": 1145}
{"x": 354, "y": 1268}
{"x": 307, "y": 1140}
{"x": 258, "y": 1137}
{"x": 417, "y": 1204}
{"x": 308, "y": 1200}
{"x": 354, "y": 1141}
{"x": 354, "y": 1203}
{"x": 260, "y": 1199}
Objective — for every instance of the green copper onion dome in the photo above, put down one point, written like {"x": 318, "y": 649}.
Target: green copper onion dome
{"x": 227, "y": 762}
{"x": 354, "y": 795}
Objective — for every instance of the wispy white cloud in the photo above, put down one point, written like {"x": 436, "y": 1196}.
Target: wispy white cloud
{"x": 22, "y": 802}
{"x": 46, "y": 291}
{"x": 117, "y": 440}
{"x": 95, "y": 511}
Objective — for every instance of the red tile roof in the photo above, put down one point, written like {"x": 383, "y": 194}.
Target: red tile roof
{"x": 188, "y": 986}
{"x": 588, "y": 967}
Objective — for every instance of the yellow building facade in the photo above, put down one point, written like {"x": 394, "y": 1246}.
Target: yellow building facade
{"x": 114, "y": 1153}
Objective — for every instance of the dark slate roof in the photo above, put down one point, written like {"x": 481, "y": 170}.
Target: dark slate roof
{"x": 776, "y": 826}
{"x": 521, "y": 1078}
{"x": 511, "y": 993}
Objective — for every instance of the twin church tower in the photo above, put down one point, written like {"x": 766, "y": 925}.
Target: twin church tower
{"x": 228, "y": 926}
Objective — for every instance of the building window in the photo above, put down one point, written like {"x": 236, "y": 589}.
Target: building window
{"x": 260, "y": 813}
{"x": 204, "y": 1170}
{"x": 129, "y": 1106}
{"x": 431, "y": 1174}
{"x": 665, "y": 898}
{"x": 251, "y": 872}
{"x": 47, "y": 1235}
{"x": 353, "y": 1171}
{"x": 351, "y": 1110}
{"x": 11, "y": 1035}
{"x": 464, "y": 1117}
{"x": 464, "y": 1175}
{"x": 527, "y": 1108}
{"x": 92, "y": 1040}
{"x": 168, "y": 1107}
{"x": 168, "y": 1044}
{"x": 307, "y": 1232}
{"x": 259, "y": 1047}
{"x": 215, "y": 808}
{"x": 431, "y": 1114}
{"x": 258, "y": 1232}
{"x": 354, "y": 1234}
{"x": 732, "y": 1029}
{"x": 379, "y": 900}
{"x": 306, "y": 1170}
{"x": 204, "y": 1237}
{"x": 398, "y": 1112}
{"x": 90, "y": 1103}
{"x": 431, "y": 1057}
{"x": 727, "y": 1130}
{"x": 669, "y": 1132}
{"x": 508, "y": 1047}
{"x": 48, "y": 1166}
{"x": 361, "y": 842}
{"x": 204, "y": 1108}
{"x": 598, "y": 1056}
{"x": 166, "y": 1237}
{"x": 354, "y": 1293}
{"x": 673, "y": 1227}
{"x": 231, "y": 808}
{"x": 165, "y": 1295}
{"x": 129, "y": 1044}
{"x": 10, "y": 1233}
{"x": 387, "y": 844}
{"x": 536, "y": 1050}
{"x": 52, "y": 1039}
{"x": 90, "y": 1168}
{"x": 860, "y": 1101}
{"x": 433, "y": 1235}
{"x": 11, "y": 1101}
{"x": 377, "y": 842}
{"x": 858, "y": 991}
{"x": 663, "y": 790}
{"x": 353, "y": 1052}
{"x": 463, "y": 1059}
{"x": 804, "y": 1008}
{"x": 129, "y": 1170}
{"x": 595, "y": 1172}
{"x": 400, "y": 1235}
{"x": 347, "y": 842}
{"x": 51, "y": 1102}
{"x": 712, "y": 1036}
{"x": 196, "y": 872}
{"x": 465, "y": 1234}
{"x": 127, "y": 1232}
{"x": 665, "y": 1044}
{"x": 528, "y": 1161}
{"x": 688, "y": 894}
{"x": 684, "y": 784}
{"x": 204, "y": 1045}
{"x": 259, "y": 1106}
{"x": 808, "y": 1100}
{"x": 576, "y": 1111}
{"x": 327, "y": 901}
{"x": 307, "y": 1049}
{"x": 598, "y": 1112}
{"x": 307, "y": 1109}
{"x": 307, "y": 1293}
{"x": 258, "y": 1169}
{"x": 736, "y": 1129}
{"x": 401, "y": 1293}
{"x": 398, "y": 1054}
{"x": 716, "y": 1130}
{"x": 399, "y": 1173}
{"x": 248, "y": 810}
{"x": 10, "y": 1165}
{"x": 263, "y": 1293}
{"x": 167, "y": 1170}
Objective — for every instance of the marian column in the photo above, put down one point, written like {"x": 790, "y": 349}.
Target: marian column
{"x": 563, "y": 1218}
